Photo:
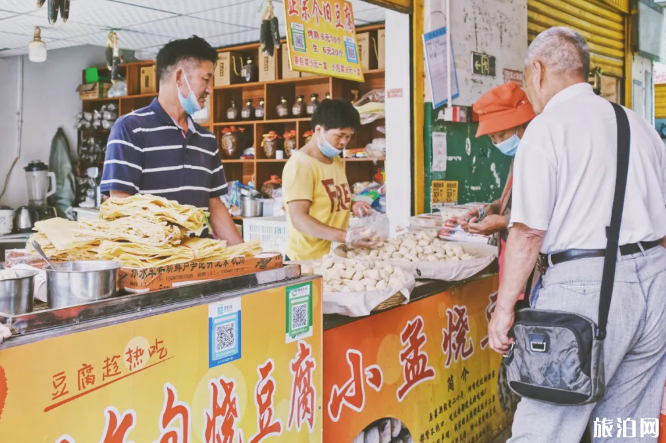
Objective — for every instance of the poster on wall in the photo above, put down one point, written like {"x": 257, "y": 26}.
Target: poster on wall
{"x": 437, "y": 66}
{"x": 321, "y": 38}
{"x": 221, "y": 372}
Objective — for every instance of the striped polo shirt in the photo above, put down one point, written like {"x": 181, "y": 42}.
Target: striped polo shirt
{"x": 148, "y": 153}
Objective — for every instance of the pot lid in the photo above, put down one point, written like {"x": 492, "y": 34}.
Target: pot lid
{"x": 36, "y": 165}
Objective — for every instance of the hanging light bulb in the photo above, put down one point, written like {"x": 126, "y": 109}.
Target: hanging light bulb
{"x": 37, "y": 48}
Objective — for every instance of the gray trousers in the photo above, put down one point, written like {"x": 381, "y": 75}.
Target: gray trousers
{"x": 634, "y": 349}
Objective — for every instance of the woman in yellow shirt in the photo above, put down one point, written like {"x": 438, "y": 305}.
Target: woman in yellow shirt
{"x": 316, "y": 191}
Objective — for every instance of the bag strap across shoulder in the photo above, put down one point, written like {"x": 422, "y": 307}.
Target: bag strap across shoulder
{"x": 613, "y": 231}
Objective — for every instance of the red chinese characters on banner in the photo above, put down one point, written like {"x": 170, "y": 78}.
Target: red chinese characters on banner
{"x": 352, "y": 393}
{"x": 338, "y": 17}
{"x": 349, "y": 19}
{"x": 490, "y": 309}
{"x": 59, "y": 381}
{"x": 305, "y": 11}
{"x": 158, "y": 349}
{"x": 317, "y": 12}
{"x": 86, "y": 377}
{"x": 172, "y": 411}
{"x": 223, "y": 413}
{"x": 117, "y": 427}
{"x": 264, "y": 398}
{"x": 328, "y": 12}
{"x": 414, "y": 361}
{"x": 303, "y": 392}
{"x": 110, "y": 368}
{"x": 293, "y": 7}
{"x": 455, "y": 344}
{"x": 134, "y": 358}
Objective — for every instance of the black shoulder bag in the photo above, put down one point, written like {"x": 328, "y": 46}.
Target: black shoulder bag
{"x": 536, "y": 367}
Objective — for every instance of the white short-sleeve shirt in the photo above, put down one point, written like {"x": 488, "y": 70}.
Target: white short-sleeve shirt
{"x": 564, "y": 174}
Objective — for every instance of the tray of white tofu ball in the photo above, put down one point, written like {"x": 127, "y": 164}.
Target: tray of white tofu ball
{"x": 426, "y": 256}
{"x": 358, "y": 286}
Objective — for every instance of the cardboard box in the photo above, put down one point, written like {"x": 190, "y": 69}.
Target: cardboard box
{"x": 225, "y": 71}
{"x": 148, "y": 80}
{"x": 90, "y": 91}
{"x": 367, "y": 51}
{"x": 286, "y": 72}
{"x": 15, "y": 257}
{"x": 267, "y": 69}
{"x": 381, "y": 49}
{"x": 166, "y": 277}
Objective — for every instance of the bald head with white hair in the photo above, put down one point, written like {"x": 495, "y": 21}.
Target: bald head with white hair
{"x": 557, "y": 58}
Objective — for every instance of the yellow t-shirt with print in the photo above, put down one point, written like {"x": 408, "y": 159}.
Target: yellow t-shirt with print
{"x": 326, "y": 186}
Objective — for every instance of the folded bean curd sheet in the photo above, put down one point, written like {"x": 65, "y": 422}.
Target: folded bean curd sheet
{"x": 141, "y": 256}
{"x": 155, "y": 208}
{"x": 133, "y": 229}
{"x": 58, "y": 239}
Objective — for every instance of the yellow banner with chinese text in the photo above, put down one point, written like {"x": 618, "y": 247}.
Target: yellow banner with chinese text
{"x": 427, "y": 366}
{"x": 221, "y": 372}
{"x": 321, "y": 37}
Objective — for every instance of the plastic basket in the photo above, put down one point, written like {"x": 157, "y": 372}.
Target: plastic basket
{"x": 271, "y": 231}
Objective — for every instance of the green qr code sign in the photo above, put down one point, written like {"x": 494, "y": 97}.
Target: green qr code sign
{"x": 299, "y": 312}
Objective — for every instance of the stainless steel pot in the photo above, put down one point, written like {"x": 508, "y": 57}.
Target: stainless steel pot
{"x": 79, "y": 282}
{"x": 16, "y": 294}
{"x": 251, "y": 207}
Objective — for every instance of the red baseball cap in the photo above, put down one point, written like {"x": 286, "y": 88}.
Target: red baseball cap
{"x": 502, "y": 108}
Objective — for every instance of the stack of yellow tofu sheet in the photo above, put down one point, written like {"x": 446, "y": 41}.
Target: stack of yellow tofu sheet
{"x": 58, "y": 239}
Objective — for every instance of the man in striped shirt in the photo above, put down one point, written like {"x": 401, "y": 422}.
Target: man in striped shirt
{"x": 159, "y": 150}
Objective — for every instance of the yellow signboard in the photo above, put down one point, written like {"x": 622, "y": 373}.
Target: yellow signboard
{"x": 443, "y": 191}
{"x": 321, "y": 37}
{"x": 222, "y": 372}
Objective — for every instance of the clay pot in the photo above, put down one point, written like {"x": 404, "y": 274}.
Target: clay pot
{"x": 270, "y": 146}
{"x": 289, "y": 146}
{"x": 232, "y": 145}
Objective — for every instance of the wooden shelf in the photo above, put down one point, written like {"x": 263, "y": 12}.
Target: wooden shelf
{"x": 249, "y": 161}
{"x": 239, "y": 123}
{"x": 239, "y": 85}
{"x": 271, "y": 160}
{"x": 129, "y": 97}
{"x": 103, "y": 99}
{"x": 288, "y": 120}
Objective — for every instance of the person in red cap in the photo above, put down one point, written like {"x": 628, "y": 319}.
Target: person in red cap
{"x": 504, "y": 113}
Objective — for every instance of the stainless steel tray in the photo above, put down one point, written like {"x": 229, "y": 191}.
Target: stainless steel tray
{"x": 45, "y": 319}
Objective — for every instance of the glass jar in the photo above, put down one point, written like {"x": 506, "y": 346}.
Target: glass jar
{"x": 283, "y": 108}
{"x": 248, "y": 110}
{"x": 313, "y": 105}
{"x": 250, "y": 72}
{"x": 232, "y": 145}
{"x": 289, "y": 146}
{"x": 298, "y": 110}
{"x": 259, "y": 111}
{"x": 272, "y": 143}
{"x": 232, "y": 113}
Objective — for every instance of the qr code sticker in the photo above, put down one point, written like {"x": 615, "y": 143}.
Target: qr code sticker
{"x": 299, "y": 316}
{"x": 225, "y": 337}
{"x": 299, "y": 42}
{"x": 351, "y": 53}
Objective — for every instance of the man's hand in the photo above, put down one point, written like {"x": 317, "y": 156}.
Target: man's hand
{"x": 222, "y": 223}
{"x": 361, "y": 238}
{"x": 361, "y": 209}
{"x": 488, "y": 226}
{"x": 5, "y": 333}
{"x": 498, "y": 330}
{"x": 464, "y": 220}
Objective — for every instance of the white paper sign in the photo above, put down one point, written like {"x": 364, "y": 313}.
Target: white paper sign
{"x": 436, "y": 61}
{"x": 439, "y": 151}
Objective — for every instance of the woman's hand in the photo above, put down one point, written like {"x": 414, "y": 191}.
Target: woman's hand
{"x": 464, "y": 220}
{"x": 361, "y": 209}
{"x": 489, "y": 225}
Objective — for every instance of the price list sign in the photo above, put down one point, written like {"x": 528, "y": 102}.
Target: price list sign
{"x": 444, "y": 191}
{"x": 321, "y": 37}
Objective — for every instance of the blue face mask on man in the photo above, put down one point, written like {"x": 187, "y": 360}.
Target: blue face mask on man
{"x": 190, "y": 103}
{"x": 509, "y": 146}
{"x": 326, "y": 148}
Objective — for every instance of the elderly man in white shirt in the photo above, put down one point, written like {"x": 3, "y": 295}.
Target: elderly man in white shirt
{"x": 564, "y": 181}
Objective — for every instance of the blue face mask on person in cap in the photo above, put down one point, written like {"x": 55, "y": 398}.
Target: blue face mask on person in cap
{"x": 509, "y": 146}
{"x": 190, "y": 103}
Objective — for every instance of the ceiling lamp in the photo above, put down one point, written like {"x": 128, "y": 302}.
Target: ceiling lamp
{"x": 37, "y": 48}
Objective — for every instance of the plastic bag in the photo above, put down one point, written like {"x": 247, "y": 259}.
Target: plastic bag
{"x": 119, "y": 89}
{"x": 371, "y": 106}
{"x": 378, "y": 222}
